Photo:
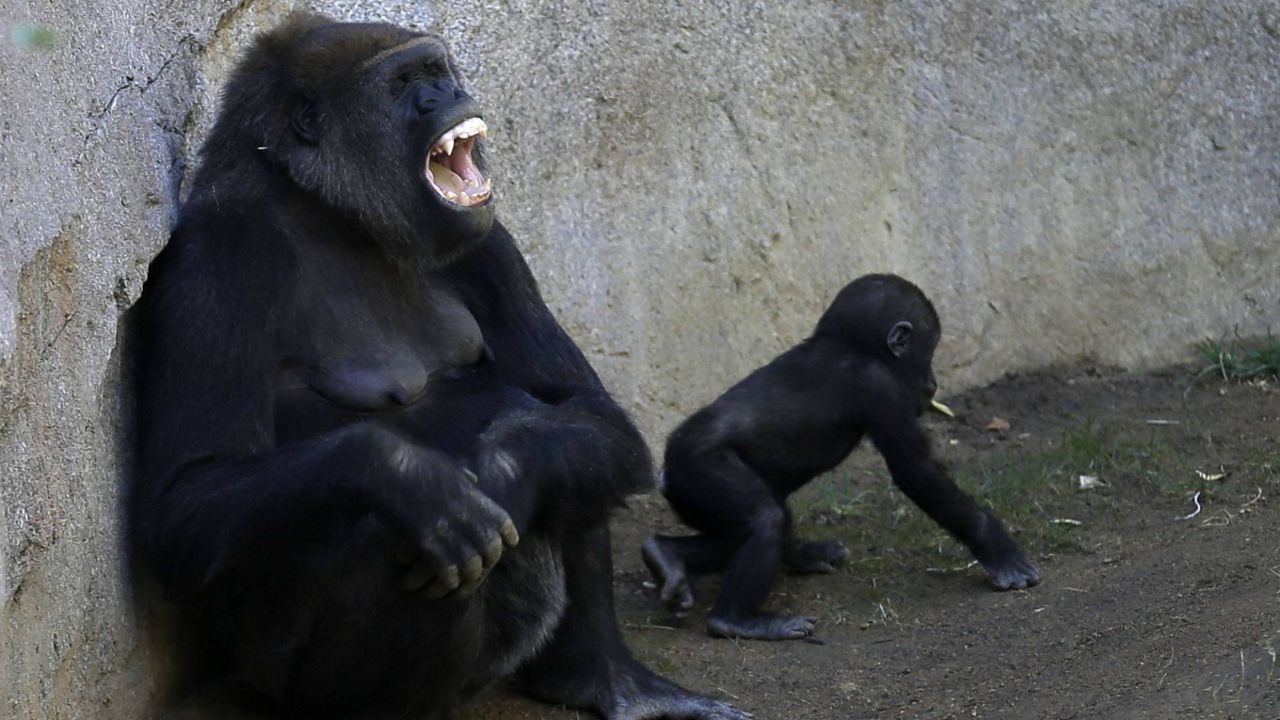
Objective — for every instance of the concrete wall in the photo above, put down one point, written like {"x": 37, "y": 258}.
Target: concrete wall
{"x": 692, "y": 182}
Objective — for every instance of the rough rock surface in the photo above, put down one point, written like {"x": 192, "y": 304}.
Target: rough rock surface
{"x": 692, "y": 183}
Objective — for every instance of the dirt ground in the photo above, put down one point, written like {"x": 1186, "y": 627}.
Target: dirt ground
{"x": 1143, "y": 611}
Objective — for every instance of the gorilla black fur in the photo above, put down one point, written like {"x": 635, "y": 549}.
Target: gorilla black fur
{"x": 374, "y": 472}
{"x": 730, "y": 467}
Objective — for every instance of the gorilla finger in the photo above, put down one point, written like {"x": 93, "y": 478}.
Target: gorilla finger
{"x": 470, "y": 585}
{"x": 416, "y": 577}
{"x": 434, "y": 554}
{"x": 492, "y": 551}
{"x": 445, "y": 583}
{"x": 472, "y": 571}
{"x": 493, "y": 514}
{"x": 428, "y": 565}
{"x": 509, "y": 534}
{"x": 497, "y": 516}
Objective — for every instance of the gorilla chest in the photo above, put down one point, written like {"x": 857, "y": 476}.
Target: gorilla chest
{"x": 376, "y": 351}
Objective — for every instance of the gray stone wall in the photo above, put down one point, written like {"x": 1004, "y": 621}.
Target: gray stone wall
{"x": 691, "y": 181}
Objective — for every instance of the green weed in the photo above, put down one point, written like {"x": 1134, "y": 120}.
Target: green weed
{"x": 1240, "y": 359}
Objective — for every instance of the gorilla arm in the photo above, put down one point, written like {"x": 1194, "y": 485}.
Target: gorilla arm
{"x": 570, "y": 451}
{"x": 575, "y": 454}
{"x": 892, "y": 423}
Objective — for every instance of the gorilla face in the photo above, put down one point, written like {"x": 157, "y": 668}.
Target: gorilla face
{"x": 382, "y": 129}
{"x": 444, "y": 127}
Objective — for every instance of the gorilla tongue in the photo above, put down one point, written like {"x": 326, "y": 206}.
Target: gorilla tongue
{"x": 450, "y": 170}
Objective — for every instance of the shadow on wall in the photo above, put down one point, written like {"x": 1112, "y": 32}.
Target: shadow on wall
{"x": 158, "y": 636}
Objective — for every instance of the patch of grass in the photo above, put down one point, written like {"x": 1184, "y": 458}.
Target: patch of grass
{"x": 1032, "y": 491}
{"x": 1264, "y": 461}
{"x": 1240, "y": 359}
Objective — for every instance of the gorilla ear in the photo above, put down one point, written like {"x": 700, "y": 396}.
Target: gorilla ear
{"x": 899, "y": 334}
{"x": 307, "y": 122}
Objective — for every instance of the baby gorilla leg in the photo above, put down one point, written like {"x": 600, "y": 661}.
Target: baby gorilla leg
{"x": 814, "y": 558}
{"x": 672, "y": 559}
{"x": 748, "y": 579}
{"x": 811, "y": 558}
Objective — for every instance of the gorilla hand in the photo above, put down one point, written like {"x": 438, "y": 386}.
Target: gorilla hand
{"x": 453, "y": 533}
{"x": 1000, "y": 557}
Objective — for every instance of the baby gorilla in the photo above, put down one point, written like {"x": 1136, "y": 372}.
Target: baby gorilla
{"x": 728, "y": 470}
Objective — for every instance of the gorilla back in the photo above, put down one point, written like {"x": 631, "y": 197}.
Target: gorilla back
{"x": 374, "y": 472}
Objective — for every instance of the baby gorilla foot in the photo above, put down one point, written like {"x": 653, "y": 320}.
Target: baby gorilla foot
{"x": 764, "y": 626}
{"x": 669, "y": 574}
{"x": 812, "y": 558}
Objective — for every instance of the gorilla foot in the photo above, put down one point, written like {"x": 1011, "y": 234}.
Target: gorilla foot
{"x": 687, "y": 706}
{"x": 814, "y": 558}
{"x": 669, "y": 574}
{"x": 1011, "y": 571}
{"x": 762, "y": 627}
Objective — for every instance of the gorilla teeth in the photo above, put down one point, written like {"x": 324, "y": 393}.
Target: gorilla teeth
{"x": 463, "y": 130}
{"x": 453, "y": 175}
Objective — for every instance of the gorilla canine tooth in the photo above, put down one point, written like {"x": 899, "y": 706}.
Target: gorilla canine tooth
{"x": 448, "y": 146}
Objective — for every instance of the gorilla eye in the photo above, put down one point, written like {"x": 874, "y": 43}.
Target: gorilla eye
{"x": 400, "y": 83}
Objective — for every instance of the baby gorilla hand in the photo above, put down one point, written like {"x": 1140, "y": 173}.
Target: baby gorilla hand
{"x": 454, "y": 533}
{"x": 1004, "y": 562}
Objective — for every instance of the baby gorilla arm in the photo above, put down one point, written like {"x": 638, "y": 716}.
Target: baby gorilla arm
{"x": 905, "y": 448}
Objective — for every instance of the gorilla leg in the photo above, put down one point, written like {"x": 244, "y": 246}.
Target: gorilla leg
{"x": 671, "y": 559}
{"x": 337, "y": 636}
{"x": 587, "y": 665}
{"x": 747, "y": 581}
{"x": 814, "y": 558}
{"x": 714, "y": 494}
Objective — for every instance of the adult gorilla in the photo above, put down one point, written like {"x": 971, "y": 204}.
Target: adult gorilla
{"x": 375, "y": 473}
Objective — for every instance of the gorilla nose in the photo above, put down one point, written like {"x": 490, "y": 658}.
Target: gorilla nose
{"x": 439, "y": 95}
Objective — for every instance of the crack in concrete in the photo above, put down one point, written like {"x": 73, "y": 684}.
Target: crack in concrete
{"x": 101, "y": 117}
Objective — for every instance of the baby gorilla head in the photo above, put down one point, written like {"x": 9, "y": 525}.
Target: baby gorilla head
{"x": 373, "y": 120}
{"x": 888, "y": 317}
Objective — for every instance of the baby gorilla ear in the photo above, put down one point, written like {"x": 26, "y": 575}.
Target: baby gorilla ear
{"x": 899, "y": 334}
{"x": 307, "y": 122}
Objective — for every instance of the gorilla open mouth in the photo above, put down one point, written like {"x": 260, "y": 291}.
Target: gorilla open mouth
{"x": 450, "y": 170}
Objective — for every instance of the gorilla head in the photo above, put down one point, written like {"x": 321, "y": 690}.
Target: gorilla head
{"x": 372, "y": 120}
{"x": 888, "y": 317}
